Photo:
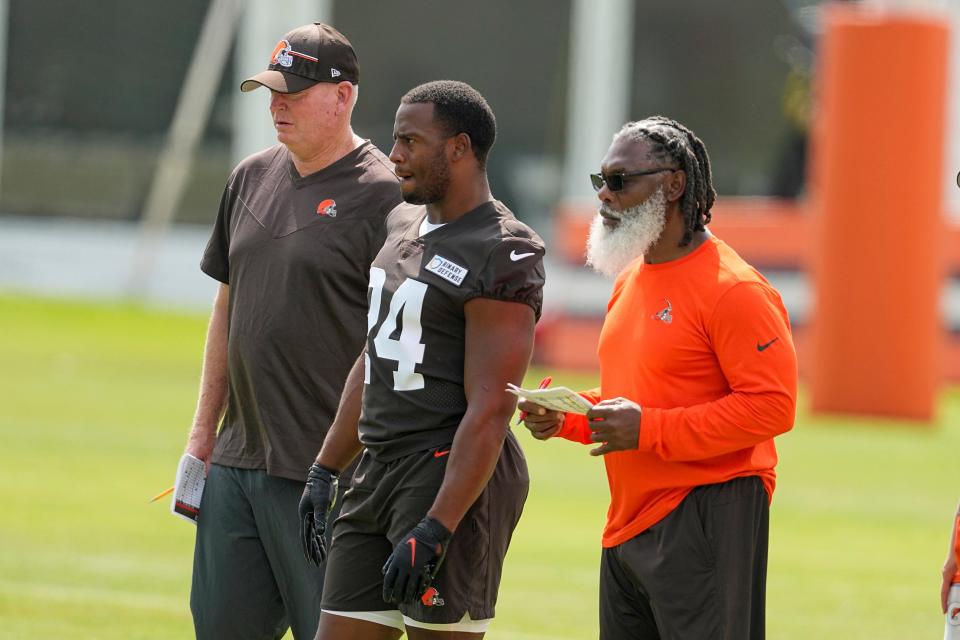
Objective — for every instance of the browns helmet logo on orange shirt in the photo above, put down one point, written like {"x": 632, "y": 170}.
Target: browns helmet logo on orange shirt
{"x": 327, "y": 207}
{"x": 665, "y": 315}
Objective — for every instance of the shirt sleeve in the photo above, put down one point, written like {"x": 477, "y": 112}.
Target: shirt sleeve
{"x": 575, "y": 427}
{"x": 216, "y": 257}
{"x": 514, "y": 273}
{"x": 751, "y": 337}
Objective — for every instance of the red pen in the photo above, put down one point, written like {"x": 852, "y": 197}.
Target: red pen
{"x": 543, "y": 385}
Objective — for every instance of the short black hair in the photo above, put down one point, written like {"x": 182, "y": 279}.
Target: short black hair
{"x": 673, "y": 142}
{"x": 460, "y": 109}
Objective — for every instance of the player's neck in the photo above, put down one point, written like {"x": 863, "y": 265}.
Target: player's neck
{"x": 667, "y": 248}
{"x": 460, "y": 198}
{"x": 316, "y": 159}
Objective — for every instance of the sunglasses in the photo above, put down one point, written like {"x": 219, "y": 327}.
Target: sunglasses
{"x": 615, "y": 181}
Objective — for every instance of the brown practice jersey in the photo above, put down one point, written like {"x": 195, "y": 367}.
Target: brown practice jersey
{"x": 414, "y": 396}
{"x": 296, "y": 252}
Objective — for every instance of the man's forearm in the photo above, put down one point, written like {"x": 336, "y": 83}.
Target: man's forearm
{"x": 213, "y": 382}
{"x": 473, "y": 457}
{"x": 342, "y": 442}
{"x": 735, "y": 421}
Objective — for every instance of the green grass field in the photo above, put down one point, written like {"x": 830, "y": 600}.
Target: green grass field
{"x": 96, "y": 404}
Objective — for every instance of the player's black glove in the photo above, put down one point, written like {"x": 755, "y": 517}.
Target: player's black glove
{"x": 414, "y": 562}
{"x": 318, "y": 498}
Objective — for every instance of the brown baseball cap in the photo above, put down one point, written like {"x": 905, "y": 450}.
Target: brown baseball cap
{"x": 307, "y": 55}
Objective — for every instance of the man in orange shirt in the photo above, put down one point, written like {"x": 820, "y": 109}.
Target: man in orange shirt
{"x": 697, "y": 375}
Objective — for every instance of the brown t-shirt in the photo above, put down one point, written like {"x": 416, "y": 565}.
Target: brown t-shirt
{"x": 296, "y": 252}
{"x": 414, "y": 398}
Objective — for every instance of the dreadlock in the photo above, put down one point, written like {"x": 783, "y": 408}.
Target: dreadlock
{"x": 671, "y": 141}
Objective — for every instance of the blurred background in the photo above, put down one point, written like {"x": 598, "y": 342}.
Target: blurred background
{"x": 91, "y": 90}
{"x": 122, "y": 120}
{"x": 89, "y": 108}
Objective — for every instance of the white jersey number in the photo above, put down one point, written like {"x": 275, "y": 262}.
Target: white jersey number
{"x": 407, "y": 350}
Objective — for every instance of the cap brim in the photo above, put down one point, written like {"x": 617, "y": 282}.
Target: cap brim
{"x": 277, "y": 81}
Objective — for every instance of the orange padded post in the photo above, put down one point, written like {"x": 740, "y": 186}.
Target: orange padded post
{"x": 876, "y": 168}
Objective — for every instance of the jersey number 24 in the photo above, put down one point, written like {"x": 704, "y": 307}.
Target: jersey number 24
{"x": 406, "y": 305}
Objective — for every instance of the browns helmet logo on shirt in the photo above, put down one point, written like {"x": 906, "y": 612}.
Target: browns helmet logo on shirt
{"x": 665, "y": 315}
{"x": 327, "y": 207}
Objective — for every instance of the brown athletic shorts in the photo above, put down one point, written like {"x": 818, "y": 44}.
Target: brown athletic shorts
{"x": 388, "y": 499}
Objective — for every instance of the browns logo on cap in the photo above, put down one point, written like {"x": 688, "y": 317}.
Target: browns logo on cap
{"x": 307, "y": 55}
{"x": 283, "y": 55}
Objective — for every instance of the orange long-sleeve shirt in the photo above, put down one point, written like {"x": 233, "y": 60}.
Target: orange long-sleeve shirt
{"x": 703, "y": 345}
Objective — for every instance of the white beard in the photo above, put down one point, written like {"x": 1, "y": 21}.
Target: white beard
{"x": 610, "y": 250}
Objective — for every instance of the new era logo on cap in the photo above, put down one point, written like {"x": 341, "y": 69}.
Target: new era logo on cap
{"x": 307, "y": 55}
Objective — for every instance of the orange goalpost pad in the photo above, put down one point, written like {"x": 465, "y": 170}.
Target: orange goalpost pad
{"x": 876, "y": 172}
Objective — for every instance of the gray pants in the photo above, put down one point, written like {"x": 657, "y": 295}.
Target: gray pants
{"x": 250, "y": 579}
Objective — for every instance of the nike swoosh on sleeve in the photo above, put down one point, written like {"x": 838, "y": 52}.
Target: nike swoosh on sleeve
{"x": 520, "y": 256}
{"x": 761, "y": 347}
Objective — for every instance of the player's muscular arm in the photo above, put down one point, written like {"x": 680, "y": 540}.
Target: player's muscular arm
{"x": 342, "y": 443}
{"x": 498, "y": 345}
{"x": 213, "y": 381}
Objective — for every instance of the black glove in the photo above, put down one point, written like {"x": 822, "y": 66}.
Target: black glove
{"x": 318, "y": 498}
{"x": 414, "y": 562}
